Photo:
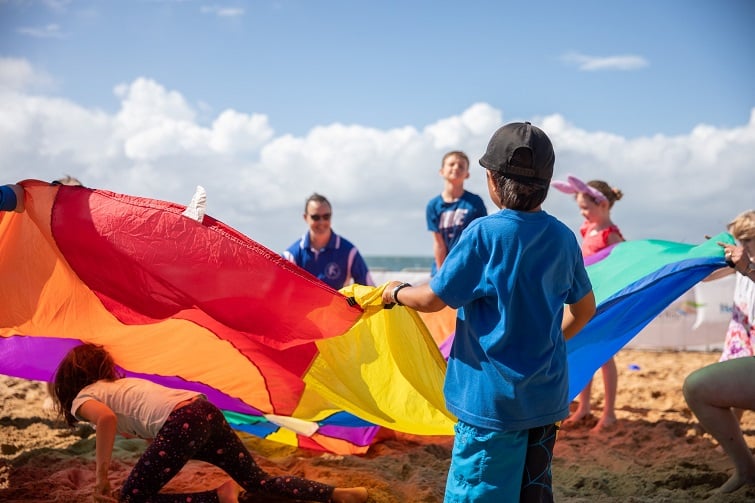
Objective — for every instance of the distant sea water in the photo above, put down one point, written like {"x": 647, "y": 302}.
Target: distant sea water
{"x": 398, "y": 263}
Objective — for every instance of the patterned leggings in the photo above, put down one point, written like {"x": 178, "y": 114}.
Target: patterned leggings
{"x": 199, "y": 431}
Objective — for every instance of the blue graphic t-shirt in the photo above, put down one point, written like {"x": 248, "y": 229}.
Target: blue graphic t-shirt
{"x": 449, "y": 219}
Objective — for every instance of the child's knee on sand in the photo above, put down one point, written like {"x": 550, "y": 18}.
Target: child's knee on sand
{"x": 350, "y": 495}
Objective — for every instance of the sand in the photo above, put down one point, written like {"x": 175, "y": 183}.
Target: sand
{"x": 656, "y": 452}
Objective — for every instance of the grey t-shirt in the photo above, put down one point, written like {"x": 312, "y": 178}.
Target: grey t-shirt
{"x": 140, "y": 406}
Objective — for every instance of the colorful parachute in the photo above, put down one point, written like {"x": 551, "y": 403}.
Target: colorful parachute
{"x": 200, "y": 306}
{"x": 633, "y": 282}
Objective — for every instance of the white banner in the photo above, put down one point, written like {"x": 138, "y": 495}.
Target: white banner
{"x": 696, "y": 321}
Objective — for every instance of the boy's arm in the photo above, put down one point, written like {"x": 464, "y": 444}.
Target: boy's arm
{"x": 577, "y": 315}
{"x": 439, "y": 249}
{"x": 104, "y": 420}
{"x": 420, "y": 298}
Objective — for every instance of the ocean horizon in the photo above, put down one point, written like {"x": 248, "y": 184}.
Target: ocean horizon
{"x": 398, "y": 263}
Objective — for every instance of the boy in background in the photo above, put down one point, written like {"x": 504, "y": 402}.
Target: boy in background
{"x": 453, "y": 209}
{"x": 510, "y": 277}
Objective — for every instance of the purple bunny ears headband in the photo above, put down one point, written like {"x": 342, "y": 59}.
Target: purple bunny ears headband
{"x": 574, "y": 185}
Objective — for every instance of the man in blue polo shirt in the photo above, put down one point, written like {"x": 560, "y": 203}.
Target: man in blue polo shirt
{"x": 325, "y": 254}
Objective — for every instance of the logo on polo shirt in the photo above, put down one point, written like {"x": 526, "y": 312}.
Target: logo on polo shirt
{"x": 332, "y": 271}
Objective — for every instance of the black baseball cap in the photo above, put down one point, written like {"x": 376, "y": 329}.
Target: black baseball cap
{"x": 507, "y": 140}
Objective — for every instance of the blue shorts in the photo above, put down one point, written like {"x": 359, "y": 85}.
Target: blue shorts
{"x": 501, "y": 466}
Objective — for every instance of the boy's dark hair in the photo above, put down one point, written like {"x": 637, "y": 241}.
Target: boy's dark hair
{"x": 520, "y": 161}
{"x": 516, "y": 195}
{"x": 82, "y": 366}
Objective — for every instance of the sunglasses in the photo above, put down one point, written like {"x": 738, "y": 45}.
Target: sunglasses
{"x": 324, "y": 216}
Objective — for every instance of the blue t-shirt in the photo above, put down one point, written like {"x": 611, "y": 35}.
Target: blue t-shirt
{"x": 510, "y": 276}
{"x": 335, "y": 264}
{"x": 8, "y": 200}
{"x": 449, "y": 219}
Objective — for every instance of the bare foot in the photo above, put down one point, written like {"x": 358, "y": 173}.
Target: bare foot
{"x": 735, "y": 482}
{"x": 578, "y": 417}
{"x": 605, "y": 423}
{"x": 350, "y": 495}
{"x": 229, "y": 492}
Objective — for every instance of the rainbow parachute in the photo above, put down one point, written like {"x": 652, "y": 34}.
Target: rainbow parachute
{"x": 200, "y": 306}
{"x": 633, "y": 282}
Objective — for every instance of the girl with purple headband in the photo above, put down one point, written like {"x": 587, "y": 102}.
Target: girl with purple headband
{"x": 595, "y": 200}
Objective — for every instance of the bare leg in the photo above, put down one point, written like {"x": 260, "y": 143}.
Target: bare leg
{"x": 738, "y": 413}
{"x": 610, "y": 383}
{"x": 229, "y": 492}
{"x": 349, "y": 495}
{"x": 711, "y": 393}
{"x": 583, "y": 409}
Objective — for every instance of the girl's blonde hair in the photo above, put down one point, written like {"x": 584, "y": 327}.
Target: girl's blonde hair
{"x": 743, "y": 226}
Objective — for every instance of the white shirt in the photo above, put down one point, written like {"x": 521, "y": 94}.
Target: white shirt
{"x": 141, "y": 407}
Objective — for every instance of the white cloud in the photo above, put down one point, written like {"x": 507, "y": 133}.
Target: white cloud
{"x": 17, "y": 74}
{"x": 57, "y": 5}
{"x": 594, "y": 63}
{"x": 220, "y": 11}
{"x": 478, "y": 120}
{"x": 678, "y": 188}
{"x": 48, "y": 31}
{"x": 154, "y": 123}
{"x": 145, "y": 102}
{"x": 236, "y": 132}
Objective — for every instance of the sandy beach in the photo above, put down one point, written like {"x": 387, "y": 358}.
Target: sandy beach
{"x": 655, "y": 453}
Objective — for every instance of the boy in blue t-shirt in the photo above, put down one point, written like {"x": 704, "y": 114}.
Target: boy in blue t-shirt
{"x": 509, "y": 276}
{"x": 453, "y": 209}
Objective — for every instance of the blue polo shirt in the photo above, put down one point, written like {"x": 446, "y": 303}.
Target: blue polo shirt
{"x": 337, "y": 264}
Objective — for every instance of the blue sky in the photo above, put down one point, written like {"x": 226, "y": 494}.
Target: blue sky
{"x": 265, "y": 102}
